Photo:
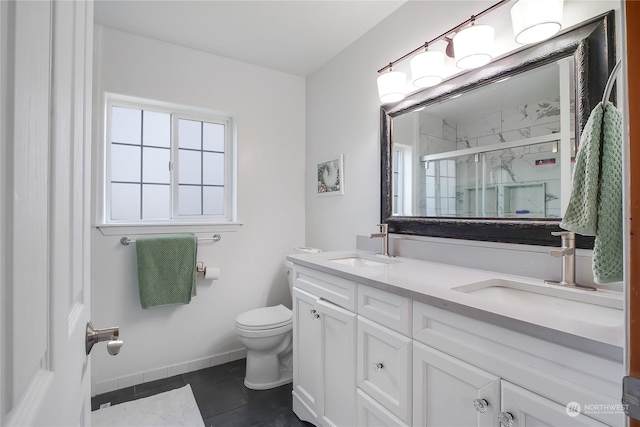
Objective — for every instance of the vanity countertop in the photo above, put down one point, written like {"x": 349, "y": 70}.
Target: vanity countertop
{"x": 435, "y": 284}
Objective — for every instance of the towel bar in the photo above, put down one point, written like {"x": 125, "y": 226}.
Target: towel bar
{"x": 216, "y": 238}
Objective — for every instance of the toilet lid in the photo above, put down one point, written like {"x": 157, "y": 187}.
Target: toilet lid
{"x": 265, "y": 318}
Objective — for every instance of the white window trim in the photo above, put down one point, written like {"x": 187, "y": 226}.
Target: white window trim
{"x": 200, "y": 224}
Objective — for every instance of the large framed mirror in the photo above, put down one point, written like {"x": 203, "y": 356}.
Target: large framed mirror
{"x": 489, "y": 154}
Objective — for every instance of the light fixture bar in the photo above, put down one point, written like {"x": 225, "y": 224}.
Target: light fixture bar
{"x": 443, "y": 35}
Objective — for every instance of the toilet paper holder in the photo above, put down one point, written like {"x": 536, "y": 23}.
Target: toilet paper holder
{"x": 209, "y": 273}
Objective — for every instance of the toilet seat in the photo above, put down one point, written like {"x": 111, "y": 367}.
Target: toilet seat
{"x": 265, "y": 318}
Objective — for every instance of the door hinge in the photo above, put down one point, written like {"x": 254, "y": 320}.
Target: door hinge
{"x": 631, "y": 397}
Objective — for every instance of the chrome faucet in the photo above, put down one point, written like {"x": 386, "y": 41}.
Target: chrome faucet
{"x": 567, "y": 252}
{"x": 384, "y": 233}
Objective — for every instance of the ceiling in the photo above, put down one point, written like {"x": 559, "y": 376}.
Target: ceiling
{"x": 296, "y": 37}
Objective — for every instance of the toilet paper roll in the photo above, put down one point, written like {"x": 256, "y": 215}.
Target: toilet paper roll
{"x": 212, "y": 273}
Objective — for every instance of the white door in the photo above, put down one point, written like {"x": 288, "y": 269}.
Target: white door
{"x": 45, "y": 127}
{"x": 448, "y": 391}
{"x": 337, "y": 403}
{"x": 529, "y": 409}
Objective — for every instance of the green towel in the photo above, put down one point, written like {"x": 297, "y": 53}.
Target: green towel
{"x": 595, "y": 206}
{"x": 166, "y": 269}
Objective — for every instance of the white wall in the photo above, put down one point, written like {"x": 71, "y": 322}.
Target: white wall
{"x": 343, "y": 110}
{"x": 271, "y": 117}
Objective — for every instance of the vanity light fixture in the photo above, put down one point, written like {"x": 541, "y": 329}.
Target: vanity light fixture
{"x": 426, "y": 68}
{"x": 473, "y": 45}
{"x": 391, "y": 85}
{"x": 536, "y": 20}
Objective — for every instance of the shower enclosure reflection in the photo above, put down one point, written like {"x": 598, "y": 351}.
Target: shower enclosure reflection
{"x": 503, "y": 150}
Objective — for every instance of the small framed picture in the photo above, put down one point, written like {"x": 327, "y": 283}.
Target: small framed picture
{"x": 331, "y": 177}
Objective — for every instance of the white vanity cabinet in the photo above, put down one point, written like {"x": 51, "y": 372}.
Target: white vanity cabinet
{"x": 442, "y": 382}
{"x": 372, "y": 358}
{"x": 471, "y": 358}
{"x": 324, "y": 342}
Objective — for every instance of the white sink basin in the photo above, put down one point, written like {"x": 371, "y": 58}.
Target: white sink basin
{"x": 359, "y": 260}
{"x": 600, "y": 307}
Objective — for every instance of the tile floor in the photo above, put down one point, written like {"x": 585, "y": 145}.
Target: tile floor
{"x": 223, "y": 399}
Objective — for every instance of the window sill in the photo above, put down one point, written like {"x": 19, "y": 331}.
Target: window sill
{"x": 164, "y": 228}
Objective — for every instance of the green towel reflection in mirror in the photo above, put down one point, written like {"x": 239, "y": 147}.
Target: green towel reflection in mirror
{"x": 166, "y": 269}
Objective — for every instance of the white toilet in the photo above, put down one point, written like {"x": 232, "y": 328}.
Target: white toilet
{"x": 267, "y": 335}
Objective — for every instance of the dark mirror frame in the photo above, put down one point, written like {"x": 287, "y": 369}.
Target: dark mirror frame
{"x": 591, "y": 44}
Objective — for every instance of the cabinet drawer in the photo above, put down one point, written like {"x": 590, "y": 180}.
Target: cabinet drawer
{"x": 390, "y": 310}
{"x": 384, "y": 367}
{"x": 372, "y": 414}
{"x": 528, "y": 408}
{"x": 330, "y": 288}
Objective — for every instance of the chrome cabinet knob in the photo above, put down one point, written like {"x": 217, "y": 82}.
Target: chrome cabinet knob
{"x": 316, "y": 316}
{"x": 378, "y": 366}
{"x": 505, "y": 419}
{"x": 312, "y": 311}
{"x": 481, "y": 405}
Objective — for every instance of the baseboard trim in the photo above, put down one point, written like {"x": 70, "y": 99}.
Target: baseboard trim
{"x": 105, "y": 386}
{"x": 302, "y": 411}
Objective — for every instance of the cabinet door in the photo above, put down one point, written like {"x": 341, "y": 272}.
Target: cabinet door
{"x": 337, "y": 406}
{"x": 445, "y": 390}
{"x": 306, "y": 349}
{"x": 532, "y": 410}
{"x": 384, "y": 367}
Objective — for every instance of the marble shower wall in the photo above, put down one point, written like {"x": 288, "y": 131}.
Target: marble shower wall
{"x": 524, "y": 179}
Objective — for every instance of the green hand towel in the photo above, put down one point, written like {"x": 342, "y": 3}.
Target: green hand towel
{"x": 166, "y": 269}
{"x": 595, "y": 206}
{"x": 582, "y": 211}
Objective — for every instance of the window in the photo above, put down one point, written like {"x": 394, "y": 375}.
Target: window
{"x": 167, "y": 164}
{"x": 440, "y": 192}
{"x": 402, "y": 179}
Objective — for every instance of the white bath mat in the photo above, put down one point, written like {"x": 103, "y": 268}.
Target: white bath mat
{"x": 173, "y": 408}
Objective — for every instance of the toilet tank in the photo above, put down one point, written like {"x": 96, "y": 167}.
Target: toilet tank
{"x": 289, "y": 267}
